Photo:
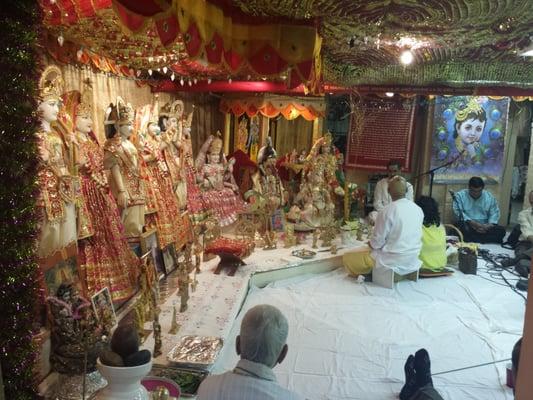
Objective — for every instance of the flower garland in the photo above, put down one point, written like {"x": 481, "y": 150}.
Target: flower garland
{"x": 19, "y": 276}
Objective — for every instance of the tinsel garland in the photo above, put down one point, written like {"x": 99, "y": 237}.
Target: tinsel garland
{"x": 19, "y": 279}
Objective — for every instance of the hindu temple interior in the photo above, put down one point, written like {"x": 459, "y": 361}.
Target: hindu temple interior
{"x": 250, "y": 199}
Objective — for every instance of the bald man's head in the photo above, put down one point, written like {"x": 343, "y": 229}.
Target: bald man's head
{"x": 397, "y": 187}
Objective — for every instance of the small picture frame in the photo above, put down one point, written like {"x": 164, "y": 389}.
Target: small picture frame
{"x": 168, "y": 259}
{"x": 103, "y": 308}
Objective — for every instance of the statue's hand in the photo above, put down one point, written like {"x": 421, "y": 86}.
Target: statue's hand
{"x": 122, "y": 200}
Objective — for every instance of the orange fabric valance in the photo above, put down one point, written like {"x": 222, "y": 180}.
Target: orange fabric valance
{"x": 271, "y": 106}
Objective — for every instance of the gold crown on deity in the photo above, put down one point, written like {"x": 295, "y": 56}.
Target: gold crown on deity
{"x": 471, "y": 108}
{"x": 120, "y": 113}
{"x": 51, "y": 83}
{"x": 85, "y": 108}
{"x": 216, "y": 144}
{"x": 187, "y": 122}
{"x": 154, "y": 112}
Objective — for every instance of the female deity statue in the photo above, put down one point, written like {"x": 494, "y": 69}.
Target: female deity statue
{"x": 170, "y": 119}
{"x": 57, "y": 192}
{"x": 171, "y": 226}
{"x": 323, "y": 161}
{"x": 219, "y": 195}
{"x": 122, "y": 159}
{"x": 195, "y": 203}
{"x": 104, "y": 256}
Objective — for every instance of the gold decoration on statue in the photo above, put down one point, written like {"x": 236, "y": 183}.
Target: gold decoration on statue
{"x": 51, "y": 84}
{"x": 120, "y": 113}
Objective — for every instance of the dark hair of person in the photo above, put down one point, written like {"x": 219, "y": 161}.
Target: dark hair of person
{"x": 476, "y": 182}
{"x": 431, "y": 210}
{"x": 396, "y": 163}
{"x": 478, "y": 114}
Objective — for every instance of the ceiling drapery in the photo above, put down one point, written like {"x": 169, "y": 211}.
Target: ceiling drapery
{"x": 273, "y": 105}
{"x": 210, "y": 33}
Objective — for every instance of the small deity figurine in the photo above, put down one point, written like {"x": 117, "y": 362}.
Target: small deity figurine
{"x": 56, "y": 200}
{"x": 122, "y": 159}
{"x": 167, "y": 218}
{"x": 74, "y": 333}
{"x": 220, "y": 196}
{"x": 317, "y": 208}
{"x": 104, "y": 256}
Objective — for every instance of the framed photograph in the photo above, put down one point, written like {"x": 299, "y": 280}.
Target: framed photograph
{"x": 64, "y": 271}
{"x": 168, "y": 259}
{"x": 103, "y": 308}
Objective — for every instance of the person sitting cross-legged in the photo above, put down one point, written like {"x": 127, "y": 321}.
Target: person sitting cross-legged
{"x": 396, "y": 238}
{"x": 477, "y": 212}
{"x": 261, "y": 345}
{"x": 433, "y": 252}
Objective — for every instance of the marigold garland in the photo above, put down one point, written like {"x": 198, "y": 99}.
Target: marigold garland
{"x": 19, "y": 280}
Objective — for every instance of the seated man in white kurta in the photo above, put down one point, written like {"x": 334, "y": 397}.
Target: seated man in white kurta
{"x": 381, "y": 193}
{"x": 397, "y": 238}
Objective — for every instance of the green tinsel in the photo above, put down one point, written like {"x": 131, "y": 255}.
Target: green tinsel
{"x": 19, "y": 280}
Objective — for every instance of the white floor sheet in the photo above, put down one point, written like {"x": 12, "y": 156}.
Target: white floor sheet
{"x": 350, "y": 340}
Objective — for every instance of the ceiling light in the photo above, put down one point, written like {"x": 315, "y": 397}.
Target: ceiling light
{"x": 389, "y": 94}
{"x": 406, "y": 57}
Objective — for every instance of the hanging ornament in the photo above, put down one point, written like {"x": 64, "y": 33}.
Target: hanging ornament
{"x": 195, "y": 81}
{"x": 229, "y": 80}
{"x": 60, "y": 39}
{"x": 172, "y": 77}
{"x": 165, "y": 69}
{"x": 182, "y": 82}
{"x": 190, "y": 82}
{"x": 150, "y": 72}
{"x": 138, "y": 73}
{"x": 150, "y": 59}
{"x": 209, "y": 81}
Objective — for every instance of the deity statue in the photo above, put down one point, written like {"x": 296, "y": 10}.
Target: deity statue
{"x": 105, "y": 258}
{"x": 316, "y": 205}
{"x": 122, "y": 159}
{"x": 56, "y": 199}
{"x": 171, "y": 128}
{"x": 168, "y": 219}
{"x": 219, "y": 195}
{"x": 322, "y": 161}
{"x": 74, "y": 332}
{"x": 195, "y": 202}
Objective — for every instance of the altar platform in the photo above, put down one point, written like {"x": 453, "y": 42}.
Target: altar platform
{"x": 349, "y": 340}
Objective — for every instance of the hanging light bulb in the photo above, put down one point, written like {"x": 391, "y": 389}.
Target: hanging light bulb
{"x": 172, "y": 77}
{"x": 182, "y": 82}
{"x": 190, "y": 82}
{"x": 406, "y": 57}
{"x": 209, "y": 81}
{"x": 150, "y": 72}
{"x": 195, "y": 81}
{"x": 60, "y": 39}
{"x": 165, "y": 69}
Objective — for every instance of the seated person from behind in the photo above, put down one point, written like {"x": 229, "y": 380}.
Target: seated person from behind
{"x": 433, "y": 253}
{"x": 524, "y": 248}
{"x": 261, "y": 345}
{"x": 381, "y": 194}
{"x": 477, "y": 212}
{"x": 396, "y": 239}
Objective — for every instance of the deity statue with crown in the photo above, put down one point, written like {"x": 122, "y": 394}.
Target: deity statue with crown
{"x": 220, "y": 194}
{"x": 171, "y": 131}
{"x": 55, "y": 176}
{"x": 172, "y": 227}
{"x": 104, "y": 256}
{"x": 122, "y": 159}
{"x": 323, "y": 161}
{"x": 195, "y": 202}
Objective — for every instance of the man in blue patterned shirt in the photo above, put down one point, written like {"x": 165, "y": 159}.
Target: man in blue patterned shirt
{"x": 478, "y": 213}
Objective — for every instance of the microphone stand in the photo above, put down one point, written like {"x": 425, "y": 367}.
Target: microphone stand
{"x": 432, "y": 171}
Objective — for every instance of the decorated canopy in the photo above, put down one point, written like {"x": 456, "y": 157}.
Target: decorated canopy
{"x": 273, "y": 105}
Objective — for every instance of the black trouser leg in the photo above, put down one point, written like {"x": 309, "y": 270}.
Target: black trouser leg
{"x": 494, "y": 235}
